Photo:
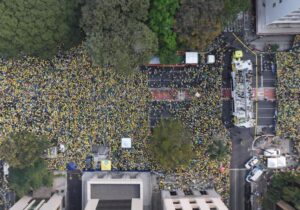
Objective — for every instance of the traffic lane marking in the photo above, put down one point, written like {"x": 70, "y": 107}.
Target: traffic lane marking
{"x": 238, "y": 169}
{"x": 238, "y": 177}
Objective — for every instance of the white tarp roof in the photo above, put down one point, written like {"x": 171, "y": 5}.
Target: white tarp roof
{"x": 191, "y": 58}
{"x": 211, "y": 59}
{"x": 277, "y": 162}
{"x": 126, "y": 143}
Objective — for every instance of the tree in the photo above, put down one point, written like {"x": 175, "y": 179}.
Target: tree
{"x": 233, "y": 7}
{"x": 285, "y": 186}
{"x": 38, "y": 28}
{"x": 30, "y": 178}
{"x": 23, "y": 149}
{"x": 117, "y": 35}
{"x": 198, "y": 23}
{"x": 218, "y": 148}
{"x": 161, "y": 21}
{"x": 171, "y": 144}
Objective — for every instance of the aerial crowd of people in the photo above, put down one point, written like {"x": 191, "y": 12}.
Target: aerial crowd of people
{"x": 76, "y": 105}
{"x": 288, "y": 94}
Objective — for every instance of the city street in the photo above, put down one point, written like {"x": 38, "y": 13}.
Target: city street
{"x": 241, "y": 142}
{"x": 266, "y": 112}
{"x": 264, "y": 79}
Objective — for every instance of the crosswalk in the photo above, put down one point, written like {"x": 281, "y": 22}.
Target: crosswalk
{"x": 263, "y": 94}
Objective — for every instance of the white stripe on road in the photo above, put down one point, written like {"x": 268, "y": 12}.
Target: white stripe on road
{"x": 235, "y": 190}
{"x": 269, "y": 79}
{"x": 237, "y": 169}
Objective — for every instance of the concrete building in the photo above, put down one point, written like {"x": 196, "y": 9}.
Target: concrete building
{"x": 277, "y": 17}
{"x": 116, "y": 190}
{"x": 54, "y": 203}
{"x": 196, "y": 200}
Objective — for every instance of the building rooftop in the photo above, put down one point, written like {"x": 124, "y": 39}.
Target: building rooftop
{"x": 115, "y": 191}
{"x": 277, "y": 18}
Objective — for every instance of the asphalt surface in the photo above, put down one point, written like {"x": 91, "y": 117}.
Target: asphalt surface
{"x": 241, "y": 137}
{"x": 74, "y": 192}
{"x": 266, "y": 112}
{"x": 240, "y": 190}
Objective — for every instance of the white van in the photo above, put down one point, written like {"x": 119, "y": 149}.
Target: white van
{"x": 254, "y": 175}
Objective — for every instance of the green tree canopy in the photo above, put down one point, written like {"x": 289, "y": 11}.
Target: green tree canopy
{"x": 171, "y": 144}
{"x": 116, "y": 33}
{"x": 285, "y": 186}
{"x": 30, "y": 27}
{"x": 218, "y": 148}
{"x": 161, "y": 21}
{"x": 30, "y": 178}
{"x": 23, "y": 149}
{"x": 233, "y": 7}
{"x": 199, "y": 22}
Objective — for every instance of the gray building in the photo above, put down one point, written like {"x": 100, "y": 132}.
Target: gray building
{"x": 277, "y": 17}
{"x": 196, "y": 200}
{"x": 116, "y": 190}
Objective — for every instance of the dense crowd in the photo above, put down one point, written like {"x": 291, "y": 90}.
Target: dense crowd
{"x": 202, "y": 114}
{"x": 77, "y": 105}
{"x": 288, "y": 94}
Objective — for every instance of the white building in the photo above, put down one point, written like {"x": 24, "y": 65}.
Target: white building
{"x": 27, "y": 202}
{"x": 275, "y": 17}
{"x": 198, "y": 200}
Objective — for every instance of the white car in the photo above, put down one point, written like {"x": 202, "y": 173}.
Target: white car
{"x": 272, "y": 152}
{"x": 252, "y": 162}
{"x": 255, "y": 174}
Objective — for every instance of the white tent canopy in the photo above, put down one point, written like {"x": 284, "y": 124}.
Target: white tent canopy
{"x": 211, "y": 59}
{"x": 126, "y": 143}
{"x": 277, "y": 162}
{"x": 191, "y": 58}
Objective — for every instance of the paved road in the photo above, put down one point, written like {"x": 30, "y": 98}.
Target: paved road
{"x": 237, "y": 191}
{"x": 241, "y": 138}
{"x": 266, "y": 112}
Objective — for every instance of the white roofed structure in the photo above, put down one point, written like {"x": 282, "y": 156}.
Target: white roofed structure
{"x": 275, "y": 17}
{"x": 242, "y": 93}
{"x": 191, "y": 58}
{"x": 277, "y": 162}
{"x": 126, "y": 143}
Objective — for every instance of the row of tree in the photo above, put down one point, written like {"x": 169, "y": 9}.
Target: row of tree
{"x": 120, "y": 33}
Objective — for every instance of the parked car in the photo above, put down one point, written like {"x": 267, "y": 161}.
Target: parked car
{"x": 252, "y": 162}
{"x": 254, "y": 174}
{"x": 272, "y": 152}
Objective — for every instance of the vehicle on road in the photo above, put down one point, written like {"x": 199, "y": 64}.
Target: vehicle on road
{"x": 252, "y": 162}
{"x": 241, "y": 91}
{"x": 237, "y": 55}
{"x": 272, "y": 152}
{"x": 254, "y": 174}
